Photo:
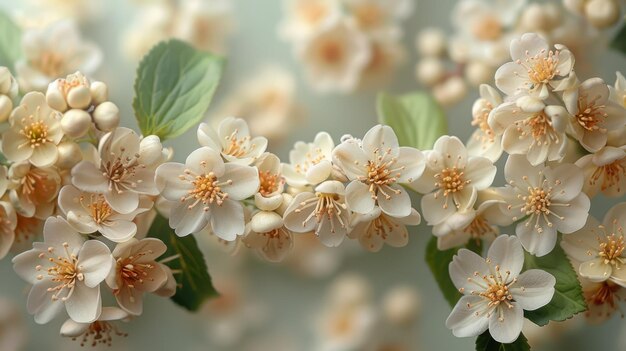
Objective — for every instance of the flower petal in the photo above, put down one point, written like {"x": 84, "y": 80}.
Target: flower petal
{"x": 533, "y": 289}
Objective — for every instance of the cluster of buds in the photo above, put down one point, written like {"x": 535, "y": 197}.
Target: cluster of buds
{"x": 599, "y": 13}
{"x": 8, "y": 92}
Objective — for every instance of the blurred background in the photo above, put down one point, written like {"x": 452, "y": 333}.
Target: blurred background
{"x": 394, "y": 303}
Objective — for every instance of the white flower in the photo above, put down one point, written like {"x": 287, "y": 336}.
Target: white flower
{"x": 52, "y": 52}
{"x": 603, "y": 299}
{"x": 593, "y": 114}
{"x": 89, "y": 213}
{"x": 35, "y": 132}
{"x": 8, "y": 92}
{"x": 66, "y": 272}
{"x": 618, "y": 92}
{"x": 135, "y": 272}
{"x": 605, "y": 171}
{"x": 205, "y": 24}
{"x": 376, "y": 168}
{"x": 310, "y": 163}
{"x": 271, "y": 183}
{"x": 495, "y": 293}
{"x": 546, "y": 200}
{"x": 386, "y": 55}
{"x": 600, "y": 248}
{"x": 474, "y": 224}
{"x": 207, "y": 191}
{"x": 72, "y": 91}
{"x": 379, "y": 17}
{"x": 8, "y": 223}
{"x": 232, "y": 139}
{"x": 303, "y": 18}
{"x": 100, "y": 331}
{"x": 451, "y": 180}
{"x": 485, "y": 141}
{"x": 536, "y": 69}
{"x": 33, "y": 190}
{"x": 268, "y": 236}
{"x": 122, "y": 170}
{"x": 335, "y": 56}
{"x": 377, "y": 228}
{"x": 324, "y": 212}
{"x": 531, "y": 128}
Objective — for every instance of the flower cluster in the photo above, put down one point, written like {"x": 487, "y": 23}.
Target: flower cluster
{"x": 599, "y": 13}
{"x": 346, "y": 44}
{"x": 480, "y": 43}
{"x": 90, "y": 184}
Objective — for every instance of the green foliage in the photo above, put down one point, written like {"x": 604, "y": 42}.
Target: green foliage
{"x": 416, "y": 118}
{"x": 619, "y": 41}
{"x": 568, "y": 298}
{"x": 194, "y": 282}
{"x": 485, "y": 342}
{"x": 438, "y": 262}
{"x": 10, "y": 42}
{"x": 174, "y": 87}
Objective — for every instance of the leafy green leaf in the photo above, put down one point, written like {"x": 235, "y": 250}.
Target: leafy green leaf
{"x": 174, "y": 87}
{"x": 438, "y": 262}
{"x": 485, "y": 342}
{"x": 416, "y": 118}
{"x": 194, "y": 282}
{"x": 568, "y": 298}
{"x": 10, "y": 41}
{"x": 619, "y": 41}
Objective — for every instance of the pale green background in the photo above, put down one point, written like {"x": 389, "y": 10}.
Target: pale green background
{"x": 292, "y": 300}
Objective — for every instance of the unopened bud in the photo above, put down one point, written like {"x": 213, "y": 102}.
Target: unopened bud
{"x": 6, "y": 106}
{"x": 75, "y": 123}
{"x": 107, "y": 116}
{"x": 69, "y": 155}
{"x": 99, "y": 92}
{"x": 79, "y": 97}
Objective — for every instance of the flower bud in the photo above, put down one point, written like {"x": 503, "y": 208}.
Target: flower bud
{"x": 429, "y": 71}
{"x": 7, "y": 82}
{"x": 265, "y": 221}
{"x": 79, "y": 97}
{"x": 107, "y": 116}
{"x": 431, "y": 42}
{"x": 69, "y": 155}
{"x": 75, "y": 123}
{"x": 534, "y": 18}
{"x": 478, "y": 72}
{"x": 602, "y": 13}
{"x": 55, "y": 98}
{"x": 99, "y": 92}
{"x": 451, "y": 91}
{"x": 150, "y": 149}
{"x": 6, "y": 106}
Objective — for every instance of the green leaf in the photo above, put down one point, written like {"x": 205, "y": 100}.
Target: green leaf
{"x": 416, "y": 118}
{"x": 568, "y": 298}
{"x": 10, "y": 41}
{"x": 174, "y": 87}
{"x": 194, "y": 282}
{"x": 619, "y": 41}
{"x": 438, "y": 262}
{"x": 485, "y": 342}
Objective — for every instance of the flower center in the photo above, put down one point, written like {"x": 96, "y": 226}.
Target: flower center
{"x": 590, "y": 114}
{"x": 312, "y": 12}
{"x": 63, "y": 270}
{"x": 121, "y": 170}
{"x": 537, "y": 204}
{"x": 368, "y": 15}
{"x": 51, "y": 64}
{"x": 207, "y": 189}
{"x": 26, "y": 226}
{"x": 133, "y": 273}
{"x": 331, "y": 52}
{"x": 479, "y": 228}
{"x": 100, "y": 332}
{"x": 480, "y": 120}
{"x": 327, "y": 206}
{"x": 494, "y": 288}
{"x": 380, "y": 175}
{"x": 269, "y": 183}
{"x": 238, "y": 147}
{"x": 611, "y": 248}
{"x": 611, "y": 175}
{"x": 606, "y": 293}
{"x": 72, "y": 81}
{"x": 97, "y": 207}
{"x": 312, "y": 158}
{"x": 35, "y": 131}
{"x": 488, "y": 28}
{"x": 542, "y": 67}
{"x": 450, "y": 181}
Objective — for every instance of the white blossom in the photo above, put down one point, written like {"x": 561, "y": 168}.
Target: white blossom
{"x": 485, "y": 141}
{"x": 33, "y": 190}
{"x": 495, "y": 294}
{"x": 100, "y": 331}
{"x": 268, "y": 236}
{"x": 309, "y": 163}
{"x": 232, "y": 139}
{"x": 304, "y": 18}
{"x": 605, "y": 171}
{"x": 376, "y": 228}
{"x": 66, "y": 272}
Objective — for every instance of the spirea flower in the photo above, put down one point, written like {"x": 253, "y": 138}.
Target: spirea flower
{"x": 600, "y": 248}
{"x": 451, "y": 180}
{"x": 545, "y": 200}
{"x": 603, "y": 299}
{"x": 123, "y": 169}
{"x": 232, "y": 139}
{"x": 309, "y": 163}
{"x": 35, "y": 132}
{"x": 324, "y": 212}
{"x": 531, "y": 128}
{"x": 268, "y": 236}
{"x": 485, "y": 141}
{"x": 89, "y": 213}
{"x": 377, "y": 228}
{"x": 65, "y": 271}
{"x": 593, "y": 114}
{"x": 100, "y": 331}
{"x": 495, "y": 294}
{"x": 207, "y": 191}
{"x": 376, "y": 168}
{"x": 536, "y": 69}
{"x": 33, "y": 190}
{"x": 271, "y": 183}
{"x": 135, "y": 272}
{"x": 605, "y": 171}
